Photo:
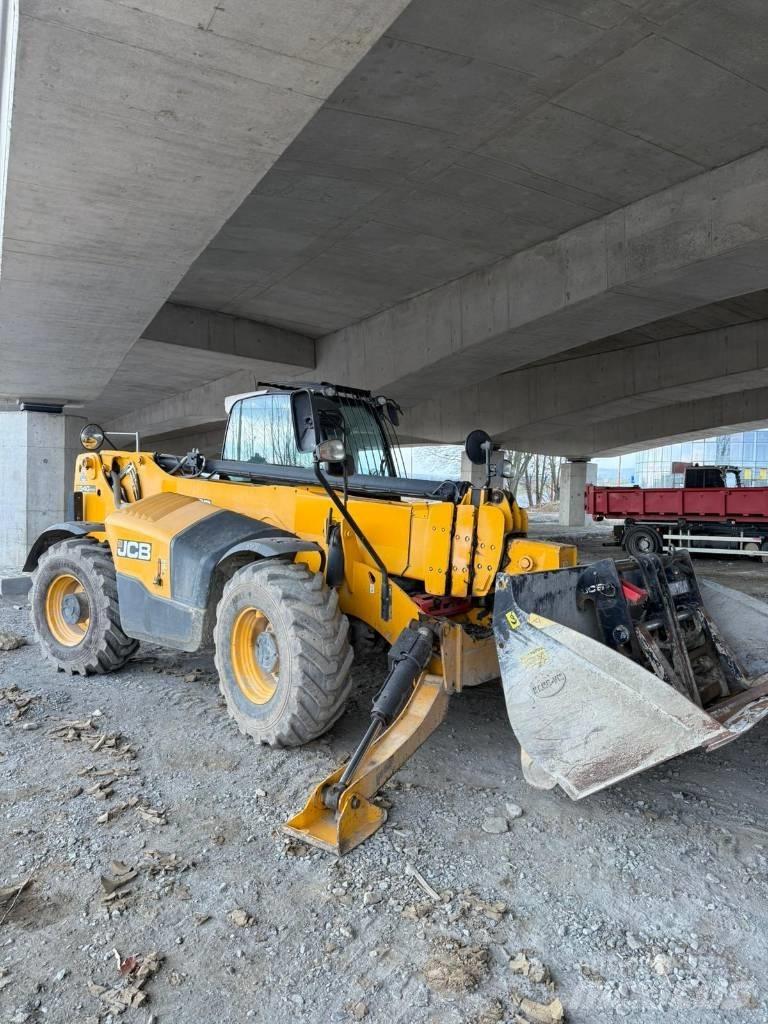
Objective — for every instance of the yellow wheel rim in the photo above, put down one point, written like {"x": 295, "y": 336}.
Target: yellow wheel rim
{"x": 254, "y": 654}
{"x": 67, "y": 626}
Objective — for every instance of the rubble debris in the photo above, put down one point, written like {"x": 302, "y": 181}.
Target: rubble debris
{"x": 114, "y": 772}
{"x": 11, "y": 641}
{"x": 121, "y": 875}
{"x": 154, "y": 815}
{"x": 117, "y": 809}
{"x": 73, "y": 730}
{"x": 100, "y": 790}
{"x": 513, "y": 811}
{"x": 457, "y": 968}
{"x": 201, "y": 919}
{"x": 134, "y": 972}
{"x": 662, "y": 964}
{"x": 415, "y": 911}
{"x": 530, "y": 967}
{"x": 538, "y": 1013}
{"x": 21, "y": 701}
{"x": 591, "y": 974}
{"x": 86, "y": 731}
{"x": 240, "y": 918}
{"x": 5, "y": 978}
{"x": 9, "y": 893}
{"x": 358, "y": 1010}
{"x": 492, "y": 1014}
{"x": 494, "y": 910}
{"x": 415, "y": 873}
{"x": 161, "y": 863}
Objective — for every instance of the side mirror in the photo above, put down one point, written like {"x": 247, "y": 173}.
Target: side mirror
{"x": 313, "y": 417}
{"x": 477, "y": 447}
{"x": 507, "y": 469}
{"x": 92, "y": 437}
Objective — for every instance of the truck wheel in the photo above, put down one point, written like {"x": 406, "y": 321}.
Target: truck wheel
{"x": 75, "y": 610}
{"x": 642, "y": 540}
{"x": 282, "y": 653}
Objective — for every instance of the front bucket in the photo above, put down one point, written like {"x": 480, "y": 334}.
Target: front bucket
{"x": 587, "y": 716}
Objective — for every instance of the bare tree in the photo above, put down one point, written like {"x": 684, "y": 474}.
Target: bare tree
{"x": 538, "y": 474}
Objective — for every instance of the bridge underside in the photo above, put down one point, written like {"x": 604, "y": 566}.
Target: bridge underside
{"x": 550, "y": 220}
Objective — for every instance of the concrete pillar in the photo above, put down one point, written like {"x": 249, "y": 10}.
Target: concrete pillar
{"x": 574, "y": 476}
{"x": 476, "y": 474}
{"x": 37, "y": 456}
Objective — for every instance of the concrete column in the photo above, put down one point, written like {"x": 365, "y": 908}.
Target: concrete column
{"x": 37, "y": 456}
{"x": 476, "y": 474}
{"x": 574, "y": 476}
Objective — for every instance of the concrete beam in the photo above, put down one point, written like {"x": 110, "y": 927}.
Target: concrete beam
{"x": 721, "y": 414}
{"x": 138, "y": 129}
{"x": 185, "y": 411}
{"x": 698, "y": 242}
{"x": 550, "y": 405}
{"x": 219, "y": 333}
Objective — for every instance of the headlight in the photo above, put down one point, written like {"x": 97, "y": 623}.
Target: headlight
{"x": 91, "y": 437}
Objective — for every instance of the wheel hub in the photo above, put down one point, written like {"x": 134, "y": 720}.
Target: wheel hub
{"x": 67, "y": 610}
{"x": 266, "y": 651}
{"x": 255, "y": 655}
{"x": 74, "y": 609}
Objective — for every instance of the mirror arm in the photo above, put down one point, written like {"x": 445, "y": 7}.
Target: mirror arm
{"x": 386, "y": 589}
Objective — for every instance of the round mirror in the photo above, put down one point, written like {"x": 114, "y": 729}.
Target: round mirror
{"x": 331, "y": 450}
{"x": 507, "y": 469}
{"x": 475, "y": 446}
{"x": 91, "y": 437}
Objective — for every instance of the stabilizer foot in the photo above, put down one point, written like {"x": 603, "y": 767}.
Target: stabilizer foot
{"x": 356, "y": 818}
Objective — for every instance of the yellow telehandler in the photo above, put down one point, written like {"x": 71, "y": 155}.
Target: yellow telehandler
{"x": 308, "y": 525}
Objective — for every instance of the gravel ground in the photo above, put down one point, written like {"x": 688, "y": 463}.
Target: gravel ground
{"x": 647, "y": 902}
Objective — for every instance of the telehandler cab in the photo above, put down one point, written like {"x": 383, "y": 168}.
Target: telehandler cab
{"x": 309, "y": 523}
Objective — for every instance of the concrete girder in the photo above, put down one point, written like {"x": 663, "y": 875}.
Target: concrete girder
{"x": 703, "y": 417}
{"x": 550, "y": 404}
{"x": 232, "y": 336}
{"x": 697, "y": 242}
{"x": 137, "y": 131}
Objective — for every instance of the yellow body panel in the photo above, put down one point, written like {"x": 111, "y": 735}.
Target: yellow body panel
{"x": 156, "y": 520}
{"x": 456, "y": 550}
{"x": 463, "y": 546}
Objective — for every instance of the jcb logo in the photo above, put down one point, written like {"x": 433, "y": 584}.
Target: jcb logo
{"x": 140, "y": 549}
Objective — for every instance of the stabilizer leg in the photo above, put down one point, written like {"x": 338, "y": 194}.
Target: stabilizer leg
{"x": 351, "y": 816}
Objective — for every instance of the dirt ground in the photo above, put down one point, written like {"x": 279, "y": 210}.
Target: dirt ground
{"x": 648, "y": 902}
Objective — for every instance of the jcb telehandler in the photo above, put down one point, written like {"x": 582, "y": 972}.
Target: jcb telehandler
{"x": 309, "y": 523}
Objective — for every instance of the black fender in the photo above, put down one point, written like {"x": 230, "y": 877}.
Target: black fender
{"x": 53, "y": 534}
{"x": 273, "y": 547}
{"x": 197, "y": 573}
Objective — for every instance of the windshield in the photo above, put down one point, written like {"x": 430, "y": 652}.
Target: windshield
{"x": 260, "y": 430}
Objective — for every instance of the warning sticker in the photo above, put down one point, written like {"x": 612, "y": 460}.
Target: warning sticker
{"x": 534, "y": 658}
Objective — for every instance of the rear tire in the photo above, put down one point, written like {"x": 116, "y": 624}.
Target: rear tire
{"x": 642, "y": 540}
{"x": 75, "y": 609}
{"x": 282, "y": 653}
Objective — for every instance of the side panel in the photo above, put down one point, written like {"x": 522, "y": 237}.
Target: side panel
{"x": 166, "y": 550}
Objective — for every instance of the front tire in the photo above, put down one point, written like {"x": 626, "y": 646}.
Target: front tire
{"x": 282, "y": 653}
{"x": 75, "y": 609}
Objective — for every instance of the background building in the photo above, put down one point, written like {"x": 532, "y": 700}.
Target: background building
{"x": 748, "y": 450}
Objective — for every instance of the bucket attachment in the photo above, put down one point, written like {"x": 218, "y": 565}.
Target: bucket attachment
{"x": 611, "y": 668}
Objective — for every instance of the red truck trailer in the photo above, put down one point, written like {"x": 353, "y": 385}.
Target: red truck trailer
{"x": 705, "y": 514}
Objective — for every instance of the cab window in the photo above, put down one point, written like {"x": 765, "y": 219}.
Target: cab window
{"x": 260, "y": 430}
